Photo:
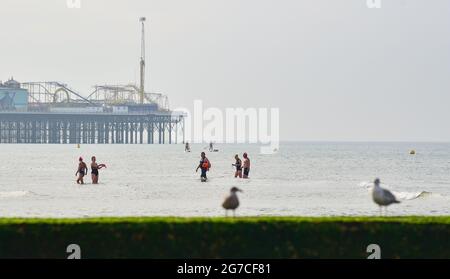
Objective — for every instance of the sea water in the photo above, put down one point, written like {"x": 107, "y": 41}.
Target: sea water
{"x": 302, "y": 178}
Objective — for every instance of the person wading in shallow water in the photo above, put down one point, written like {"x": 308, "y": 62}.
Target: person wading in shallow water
{"x": 238, "y": 166}
{"x": 81, "y": 171}
{"x": 95, "y": 167}
{"x": 204, "y": 166}
{"x": 246, "y": 166}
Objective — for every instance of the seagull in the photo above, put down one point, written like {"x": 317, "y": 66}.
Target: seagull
{"x": 382, "y": 197}
{"x": 232, "y": 201}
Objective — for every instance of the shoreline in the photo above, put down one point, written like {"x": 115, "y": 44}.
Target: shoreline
{"x": 420, "y": 219}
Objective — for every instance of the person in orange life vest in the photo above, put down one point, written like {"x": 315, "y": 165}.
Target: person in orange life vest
{"x": 204, "y": 166}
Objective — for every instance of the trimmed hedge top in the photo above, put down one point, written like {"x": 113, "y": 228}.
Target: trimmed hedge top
{"x": 243, "y": 237}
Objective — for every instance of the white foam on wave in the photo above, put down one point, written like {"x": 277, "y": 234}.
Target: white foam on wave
{"x": 410, "y": 195}
{"x": 13, "y": 194}
{"x": 406, "y": 196}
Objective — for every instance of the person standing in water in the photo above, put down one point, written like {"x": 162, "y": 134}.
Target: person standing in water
{"x": 238, "y": 166}
{"x": 81, "y": 171}
{"x": 204, "y": 166}
{"x": 246, "y": 165}
{"x": 94, "y": 169}
{"x": 187, "y": 148}
{"x": 211, "y": 147}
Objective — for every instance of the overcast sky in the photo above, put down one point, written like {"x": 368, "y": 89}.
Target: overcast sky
{"x": 336, "y": 69}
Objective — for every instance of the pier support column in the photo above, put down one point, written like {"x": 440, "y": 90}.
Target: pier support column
{"x": 161, "y": 129}
{"x": 164, "y": 133}
{"x": 116, "y": 132}
{"x": 126, "y": 132}
{"x": 170, "y": 133}
{"x": 184, "y": 135}
{"x": 136, "y": 131}
{"x": 141, "y": 132}
{"x": 107, "y": 125}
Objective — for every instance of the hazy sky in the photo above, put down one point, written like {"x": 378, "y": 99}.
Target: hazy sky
{"x": 336, "y": 69}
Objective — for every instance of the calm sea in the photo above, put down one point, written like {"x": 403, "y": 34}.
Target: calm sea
{"x": 313, "y": 179}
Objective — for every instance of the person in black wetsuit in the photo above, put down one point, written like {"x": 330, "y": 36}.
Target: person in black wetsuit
{"x": 81, "y": 171}
{"x": 94, "y": 169}
{"x": 238, "y": 166}
{"x": 204, "y": 166}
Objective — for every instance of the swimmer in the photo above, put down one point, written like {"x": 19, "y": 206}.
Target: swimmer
{"x": 238, "y": 166}
{"x": 204, "y": 166}
{"x": 95, "y": 167}
{"x": 81, "y": 171}
{"x": 246, "y": 165}
{"x": 211, "y": 147}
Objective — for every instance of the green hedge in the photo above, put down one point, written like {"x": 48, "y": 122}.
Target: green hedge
{"x": 258, "y": 237}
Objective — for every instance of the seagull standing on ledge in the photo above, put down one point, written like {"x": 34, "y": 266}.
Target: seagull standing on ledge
{"x": 382, "y": 197}
{"x": 232, "y": 201}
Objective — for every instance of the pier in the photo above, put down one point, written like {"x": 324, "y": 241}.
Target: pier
{"x": 51, "y": 112}
{"x": 94, "y": 128}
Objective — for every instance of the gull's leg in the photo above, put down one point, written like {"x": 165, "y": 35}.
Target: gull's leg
{"x": 234, "y": 213}
{"x": 381, "y": 211}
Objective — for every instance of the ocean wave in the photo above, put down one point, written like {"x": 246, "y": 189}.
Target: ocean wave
{"x": 411, "y": 195}
{"x": 14, "y": 194}
{"x": 406, "y": 196}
